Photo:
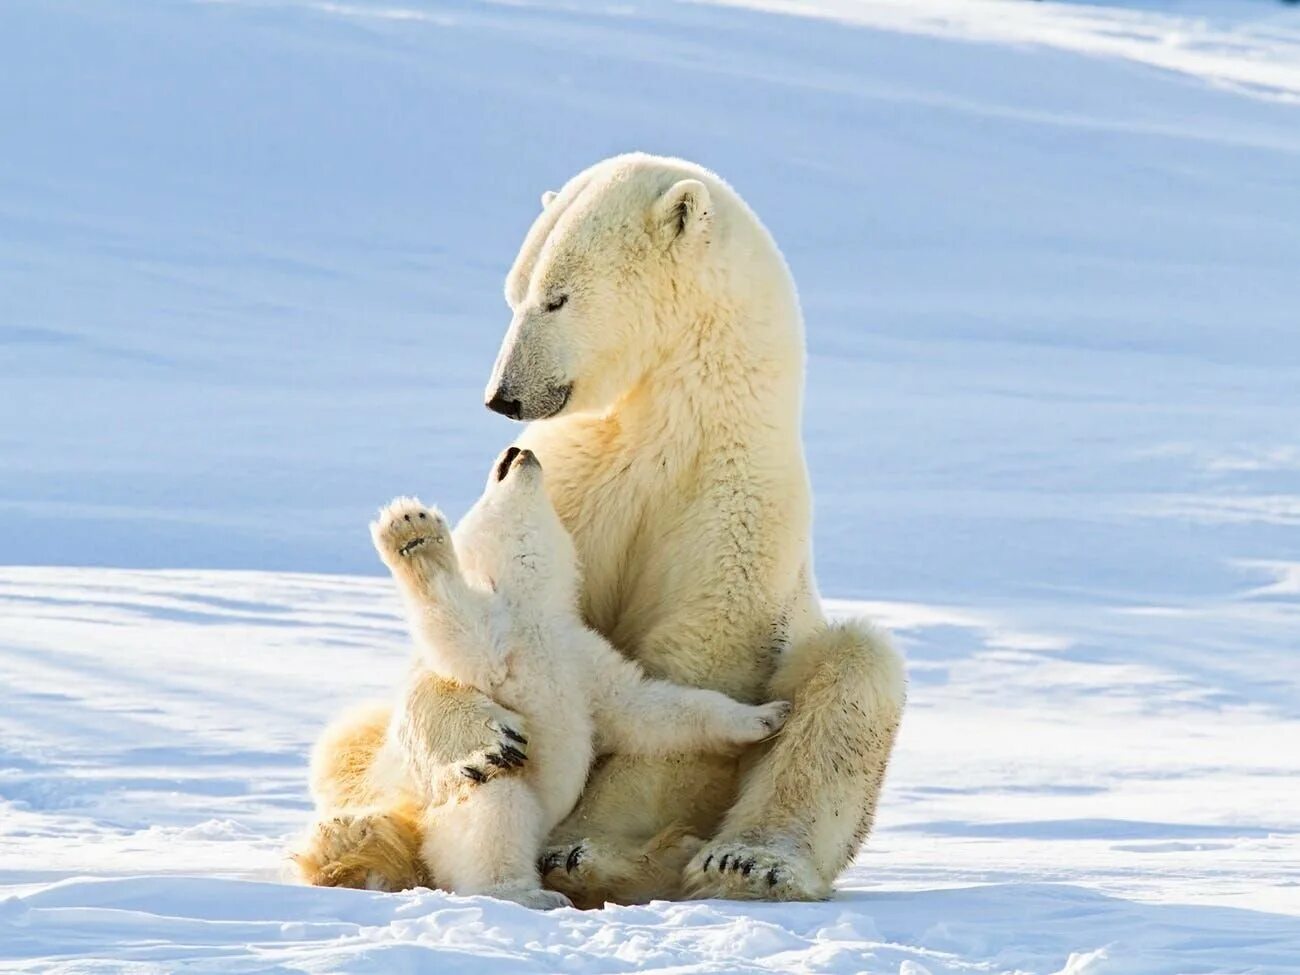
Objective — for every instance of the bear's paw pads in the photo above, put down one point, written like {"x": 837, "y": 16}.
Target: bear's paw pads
{"x": 733, "y": 870}
{"x": 406, "y": 528}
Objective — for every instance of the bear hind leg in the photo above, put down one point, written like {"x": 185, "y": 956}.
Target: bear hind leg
{"x": 807, "y": 804}
{"x": 488, "y": 845}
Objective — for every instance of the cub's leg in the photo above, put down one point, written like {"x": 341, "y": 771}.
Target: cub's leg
{"x": 486, "y": 842}
{"x": 367, "y": 831}
{"x": 807, "y": 804}
{"x": 449, "y": 619}
{"x": 344, "y": 756}
{"x": 636, "y": 714}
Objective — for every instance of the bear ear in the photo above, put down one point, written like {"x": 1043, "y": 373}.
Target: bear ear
{"x": 683, "y": 210}
{"x": 548, "y": 197}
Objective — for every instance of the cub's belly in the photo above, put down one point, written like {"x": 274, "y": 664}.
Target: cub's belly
{"x": 560, "y": 733}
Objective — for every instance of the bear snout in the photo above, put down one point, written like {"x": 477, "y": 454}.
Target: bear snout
{"x": 508, "y": 458}
{"x": 532, "y": 403}
{"x": 515, "y": 457}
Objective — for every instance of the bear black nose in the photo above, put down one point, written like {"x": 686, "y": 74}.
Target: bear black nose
{"x": 507, "y": 459}
{"x": 506, "y": 407}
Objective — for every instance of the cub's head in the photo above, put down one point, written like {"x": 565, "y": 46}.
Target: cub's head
{"x": 513, "y": 536}
{"x": 611, "y": 259}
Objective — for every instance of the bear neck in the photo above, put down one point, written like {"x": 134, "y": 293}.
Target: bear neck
{"x": 731, "y": 376}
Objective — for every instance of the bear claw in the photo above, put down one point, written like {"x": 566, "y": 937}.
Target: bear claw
{"x": 570, "y": 858}
{"x": 573, "y": 859}
{"x": 413, "y": 544}
{"x": 754, "y": 872}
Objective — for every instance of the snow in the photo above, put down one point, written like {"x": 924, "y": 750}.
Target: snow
{"x": 250, "y": 266}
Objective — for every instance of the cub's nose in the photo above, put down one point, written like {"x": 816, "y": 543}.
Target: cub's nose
{"x": 506, "y": 407}
{"x": 507, "y": 458}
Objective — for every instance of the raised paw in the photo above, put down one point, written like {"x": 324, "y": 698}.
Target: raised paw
{"x": 506, "y": 751}
{"x": 406, "y": 531}
{"x": 736, "y": 870}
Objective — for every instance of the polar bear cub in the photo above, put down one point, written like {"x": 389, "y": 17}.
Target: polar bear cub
{"x": 497, "y": 609}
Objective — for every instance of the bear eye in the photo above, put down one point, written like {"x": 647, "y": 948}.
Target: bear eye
{"x": 555, "y": 304}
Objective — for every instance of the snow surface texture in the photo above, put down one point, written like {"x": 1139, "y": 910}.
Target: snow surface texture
{"x": 250, "y": 263}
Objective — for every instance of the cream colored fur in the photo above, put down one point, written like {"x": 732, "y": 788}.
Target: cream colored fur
{"x": 657, "y": 339}
{"x": 367, "y": 834}
{"x": 509, "y": 626}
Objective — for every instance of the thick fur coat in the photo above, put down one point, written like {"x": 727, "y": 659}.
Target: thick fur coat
{"x": 656, "y": 344}
{"x": 507, "y": 624}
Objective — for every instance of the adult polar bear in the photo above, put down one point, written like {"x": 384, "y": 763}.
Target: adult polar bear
{"x": 657, "y": 346}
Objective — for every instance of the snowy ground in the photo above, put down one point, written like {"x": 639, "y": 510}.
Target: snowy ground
{"x": 250, "y": 266}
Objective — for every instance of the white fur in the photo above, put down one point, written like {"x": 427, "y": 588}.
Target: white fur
{"x": 497, "y": 609}
{"x": 669, "y": 387}
{"x": 657, "y": 337}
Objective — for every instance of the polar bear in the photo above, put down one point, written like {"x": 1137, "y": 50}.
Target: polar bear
{"x": 656, "y": 349}
{"x": 512, "y": 630}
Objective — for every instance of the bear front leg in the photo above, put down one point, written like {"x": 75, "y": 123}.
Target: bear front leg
{"x": 449, "y": 619}
{"x": 806, "y": 806}
{"x": 594, "y": 870}
{"x": 639, "y": 715}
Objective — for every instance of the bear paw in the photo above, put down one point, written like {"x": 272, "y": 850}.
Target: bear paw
{"x": 739, "y": 870}
{"x": 368, "y": 851}
{"x": 406, "y": 532}
{"x": 505, "y": 750}
{"x": 566, "y": 856}
{"x": 759, "y": 722}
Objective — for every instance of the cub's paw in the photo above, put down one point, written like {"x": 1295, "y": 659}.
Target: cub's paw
{"x": 743, "y": 871}
{"x": 505, "y": 750}
{"x": 369, "y": 851}
{"x": 406, "y": 531}
{"x": 758, "y": 722}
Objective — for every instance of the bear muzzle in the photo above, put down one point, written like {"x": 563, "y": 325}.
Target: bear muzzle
{"x": 545, "y": 403}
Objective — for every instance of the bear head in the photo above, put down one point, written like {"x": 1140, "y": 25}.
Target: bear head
{"x": 610, "y": 262}
{"x": 513, "y": 537}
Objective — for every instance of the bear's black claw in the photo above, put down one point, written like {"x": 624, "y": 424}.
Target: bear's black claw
{"x": 574, "y": 858}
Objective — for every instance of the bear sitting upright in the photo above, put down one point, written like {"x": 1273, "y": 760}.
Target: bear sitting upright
{"x": 506, "y": 622}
